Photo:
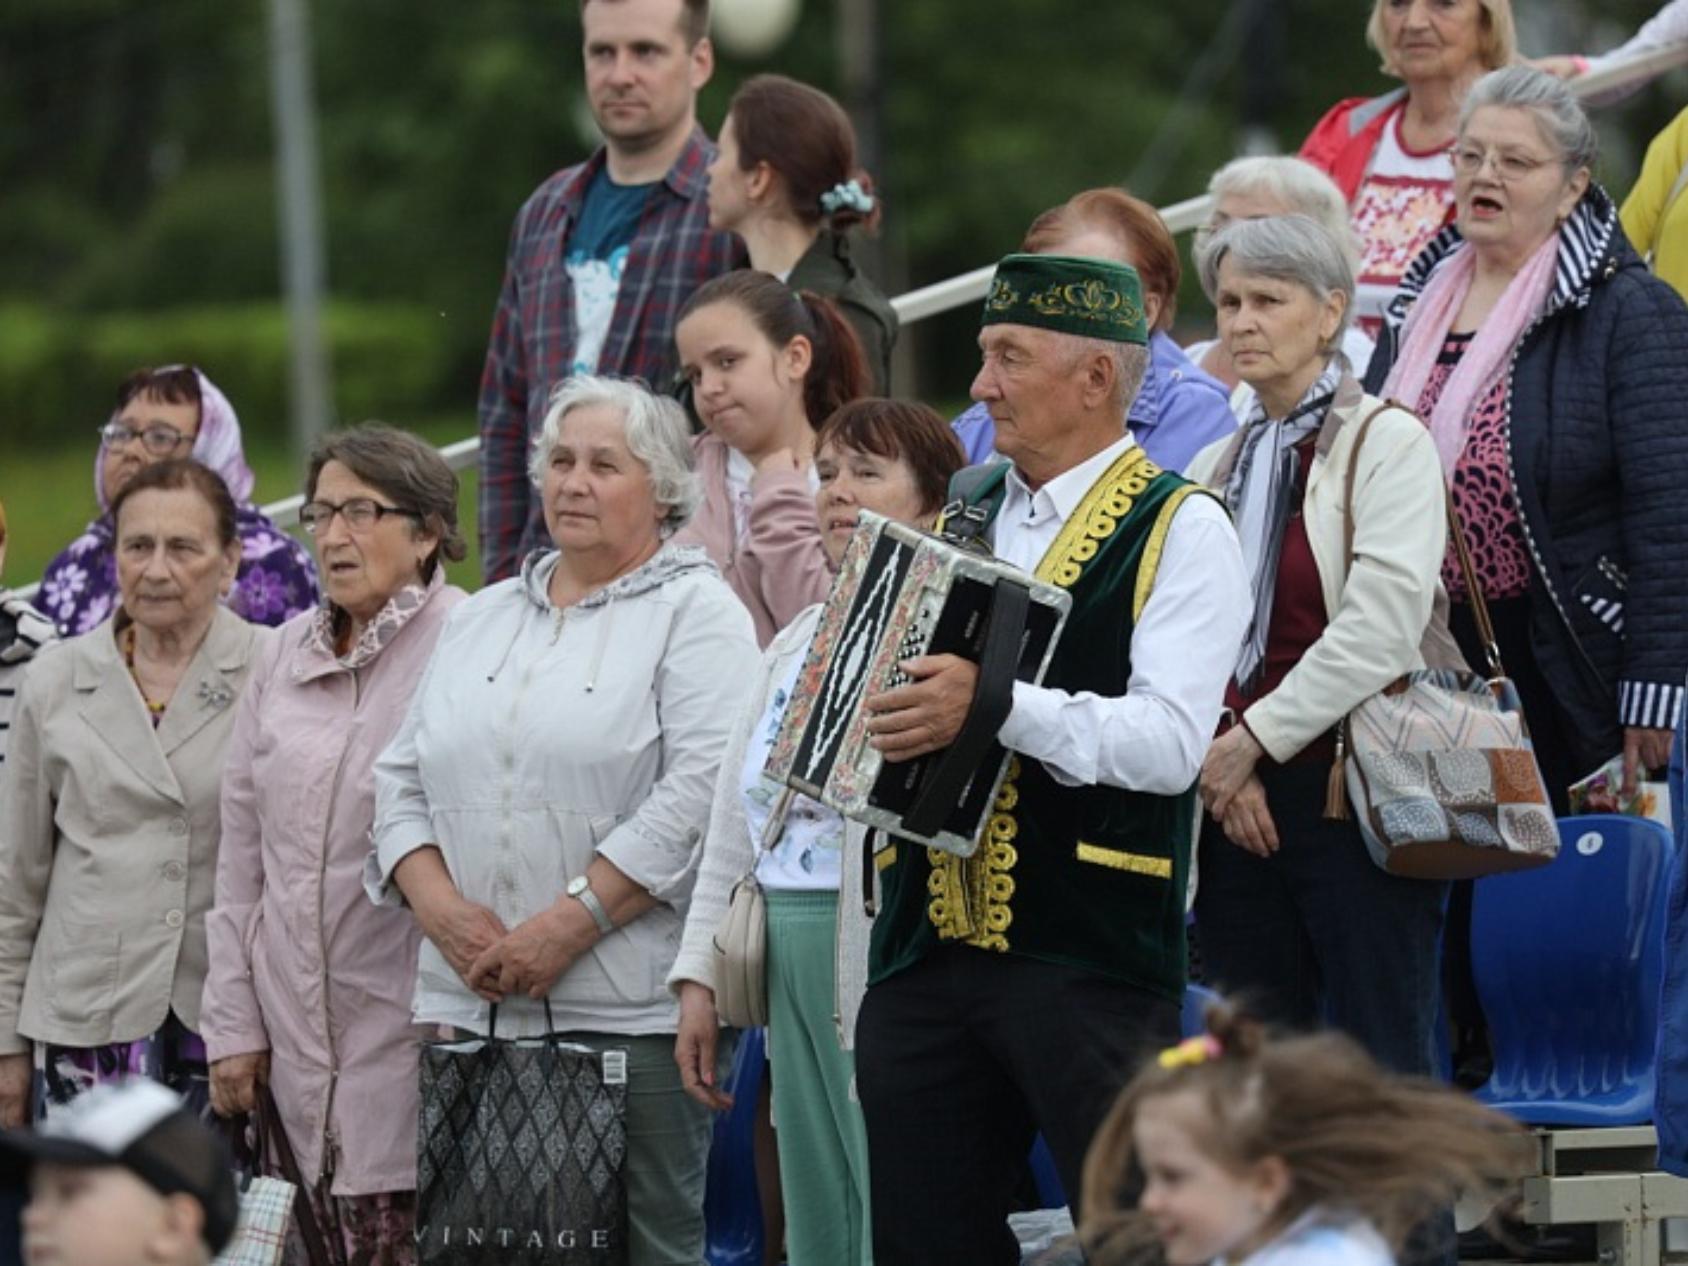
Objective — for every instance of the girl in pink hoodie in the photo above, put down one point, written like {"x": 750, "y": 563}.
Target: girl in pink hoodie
{"x": 766, "y": 366}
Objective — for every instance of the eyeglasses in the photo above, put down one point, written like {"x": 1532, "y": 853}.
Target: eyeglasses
{"x": 158, "y": 439}
{"x": 360, "y": 513}
{"x": 1469, "y": 160}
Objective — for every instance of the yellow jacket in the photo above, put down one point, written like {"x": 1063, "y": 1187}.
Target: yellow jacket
{"x": 1645, "y": 207}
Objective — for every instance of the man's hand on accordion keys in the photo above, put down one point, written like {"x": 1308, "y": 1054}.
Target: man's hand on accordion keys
{"x": 925, "y": 715}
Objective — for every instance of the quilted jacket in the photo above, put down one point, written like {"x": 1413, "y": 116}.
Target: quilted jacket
{"x": 1597, "y": 436}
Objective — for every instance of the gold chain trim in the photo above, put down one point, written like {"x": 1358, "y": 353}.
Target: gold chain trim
{"x": 970, "y": 897}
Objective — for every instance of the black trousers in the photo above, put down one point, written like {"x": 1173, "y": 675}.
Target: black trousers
{"x": 1317, "y": 934}
{"x": 960, "y": 1061}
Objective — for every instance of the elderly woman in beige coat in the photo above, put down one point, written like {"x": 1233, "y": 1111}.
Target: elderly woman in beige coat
{"x": 1290, "y": 908}
{"x": 109, "y": 818}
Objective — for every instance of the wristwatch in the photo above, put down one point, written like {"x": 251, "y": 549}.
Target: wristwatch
{"x": 580, "y": 888}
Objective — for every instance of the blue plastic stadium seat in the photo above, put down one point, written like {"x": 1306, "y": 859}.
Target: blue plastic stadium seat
{"x": 732, "y": 1210}
{"x": 1568, "y": 960}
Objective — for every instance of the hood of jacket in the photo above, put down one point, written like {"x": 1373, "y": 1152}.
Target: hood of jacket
{"x": 668, "y": 562}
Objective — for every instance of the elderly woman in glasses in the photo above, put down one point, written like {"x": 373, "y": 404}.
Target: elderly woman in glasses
{"x": 1548, "y": 364}
{"x": 163, "y": 414}
{"x": 309, "y": 981}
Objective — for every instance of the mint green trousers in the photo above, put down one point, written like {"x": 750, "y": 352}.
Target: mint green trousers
{"x": 817, "y": 1120}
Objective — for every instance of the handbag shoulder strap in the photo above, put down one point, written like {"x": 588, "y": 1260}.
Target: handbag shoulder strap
{"x": 1353, "y": 472}
{"x": 272, "y": 1134}
{"x": 1474, "y": 590}
{"x": 1456, "y": 532}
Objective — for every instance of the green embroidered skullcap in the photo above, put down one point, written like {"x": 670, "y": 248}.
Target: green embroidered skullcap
{"x": 1096, "y": 298}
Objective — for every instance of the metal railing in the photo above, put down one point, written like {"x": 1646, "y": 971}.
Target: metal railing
{"x": 970, "y": 287}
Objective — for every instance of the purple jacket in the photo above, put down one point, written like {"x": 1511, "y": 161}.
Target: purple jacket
{"x": 1179, "y": 411}
{"x": 302, "y": 964}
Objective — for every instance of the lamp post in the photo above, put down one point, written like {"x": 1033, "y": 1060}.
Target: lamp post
{"x": 299, "y": 195}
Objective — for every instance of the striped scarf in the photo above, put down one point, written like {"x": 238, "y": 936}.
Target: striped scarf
{"x": 1261, "y": 497}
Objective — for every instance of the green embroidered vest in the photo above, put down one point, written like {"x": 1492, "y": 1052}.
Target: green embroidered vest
{"x": 1095, "y": 876}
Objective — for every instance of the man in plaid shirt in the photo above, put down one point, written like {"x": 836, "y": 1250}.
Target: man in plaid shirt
{"x": 603, "y": 254}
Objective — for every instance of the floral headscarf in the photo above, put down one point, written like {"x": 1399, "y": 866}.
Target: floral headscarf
{"x": 217, "y": 444}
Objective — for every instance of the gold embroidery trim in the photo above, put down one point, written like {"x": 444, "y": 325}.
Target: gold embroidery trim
{"x": 886, "y": 856}
{"x": 1109, "y": 500}
{"x": 1150, "y": 564}
{"x": 1119, "y": 859}
{"x": 970, "y": 897}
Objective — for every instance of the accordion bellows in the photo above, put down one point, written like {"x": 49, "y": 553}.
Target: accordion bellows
{"x": 901, "y": 593}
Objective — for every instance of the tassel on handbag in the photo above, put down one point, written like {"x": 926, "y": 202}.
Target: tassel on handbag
{"x": 1336, "y": 785}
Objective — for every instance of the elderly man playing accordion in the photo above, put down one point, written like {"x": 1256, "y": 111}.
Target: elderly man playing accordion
{"x": 1013, "y": 991}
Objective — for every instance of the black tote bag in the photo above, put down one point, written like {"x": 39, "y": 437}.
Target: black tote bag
{"x": 520, "y": 1151}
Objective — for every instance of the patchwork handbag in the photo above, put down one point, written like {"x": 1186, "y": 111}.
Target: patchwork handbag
{"x": 1438, "y": 764}
{"x": 521, "y": 1146}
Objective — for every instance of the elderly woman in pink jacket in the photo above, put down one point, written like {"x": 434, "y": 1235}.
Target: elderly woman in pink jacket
{"x": 310, "y": 984}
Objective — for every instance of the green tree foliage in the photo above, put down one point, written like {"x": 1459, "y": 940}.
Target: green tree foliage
{"x": 137, "y": 147}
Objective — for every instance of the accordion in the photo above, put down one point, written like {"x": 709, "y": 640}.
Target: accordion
{"x": 901, "y": 593}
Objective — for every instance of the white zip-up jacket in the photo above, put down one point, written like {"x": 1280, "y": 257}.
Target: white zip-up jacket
{"x": 541, "y": 737}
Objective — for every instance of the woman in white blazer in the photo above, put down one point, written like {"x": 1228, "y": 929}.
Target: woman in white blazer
{"x": 1290, "y": 909}
{"x": 109, "y": 820}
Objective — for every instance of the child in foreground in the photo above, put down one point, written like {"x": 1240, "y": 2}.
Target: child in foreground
{"x": 124, "y": 1176}
{"x": 1294, "y": 1152}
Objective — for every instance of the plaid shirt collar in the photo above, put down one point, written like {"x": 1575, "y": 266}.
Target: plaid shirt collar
{"x": 687, "y": 178}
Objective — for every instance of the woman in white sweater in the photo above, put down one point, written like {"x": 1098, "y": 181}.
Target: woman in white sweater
{"x": 1291, "y": 910}
{"x": 895, "y": 459}
{"x": 540, "y": 807}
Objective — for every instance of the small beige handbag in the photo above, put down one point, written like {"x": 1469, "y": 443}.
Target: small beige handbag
{"x": 741, "y": 939}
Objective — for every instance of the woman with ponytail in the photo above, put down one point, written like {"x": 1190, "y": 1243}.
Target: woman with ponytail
{"x": 766, "y": 366}
{"x": 785, "y": 180}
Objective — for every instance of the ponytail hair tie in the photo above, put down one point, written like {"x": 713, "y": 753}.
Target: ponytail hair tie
{"x": 849, "y": 195}
{"x": 1190, "y": 1052}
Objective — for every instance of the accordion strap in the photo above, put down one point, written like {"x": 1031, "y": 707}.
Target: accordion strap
{"x": 999, "y": 662}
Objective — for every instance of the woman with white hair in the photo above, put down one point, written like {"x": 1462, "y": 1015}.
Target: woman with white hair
{"x": 540, "y": 808}
{"x": 1251, "y": 189}
{"x": 1291, "y": 910}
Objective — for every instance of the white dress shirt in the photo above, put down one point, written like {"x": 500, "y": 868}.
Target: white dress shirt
{"x": 1183, "y": 649}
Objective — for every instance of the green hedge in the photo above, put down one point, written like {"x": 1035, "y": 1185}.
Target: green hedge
{"x": 59, "y": 369}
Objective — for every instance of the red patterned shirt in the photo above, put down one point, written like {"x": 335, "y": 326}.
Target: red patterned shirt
{"x": 1403, "y": 201}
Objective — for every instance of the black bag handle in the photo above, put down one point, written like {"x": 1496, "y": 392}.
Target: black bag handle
{"x": 999, "y": 663}
{"x": 492, "y": 1022}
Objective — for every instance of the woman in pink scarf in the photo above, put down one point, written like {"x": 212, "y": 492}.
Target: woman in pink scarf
{"x": 1548, "y": 364}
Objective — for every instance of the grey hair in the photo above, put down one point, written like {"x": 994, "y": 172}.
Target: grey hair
{"x": 657, "y": 435}
{"x": 1130, "y": 361}
{"x": 1563, "y": 122}
{"x": 1303, "y": 189}
{"x": 1293, "y": 248}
